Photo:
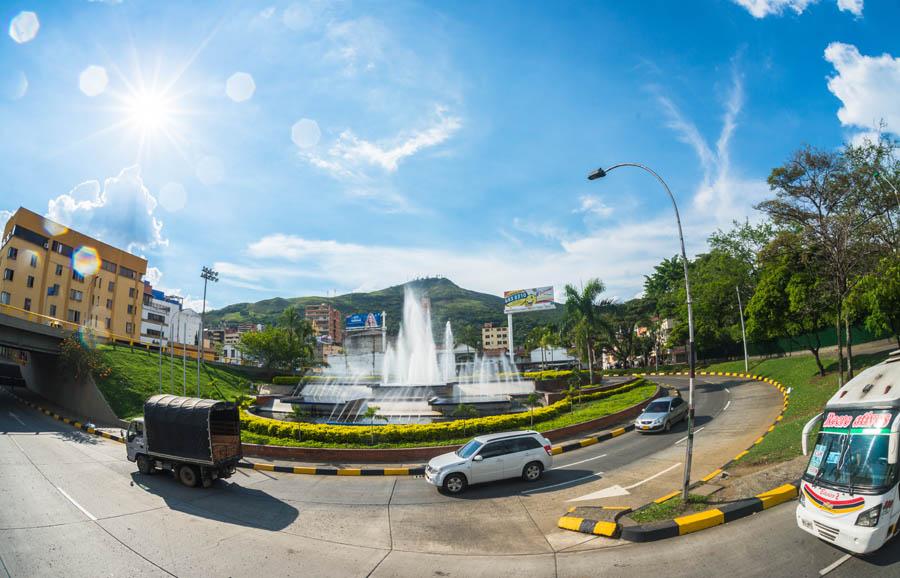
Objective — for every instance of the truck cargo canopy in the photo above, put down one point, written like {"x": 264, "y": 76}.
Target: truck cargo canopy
{"x": 180, "y": 426}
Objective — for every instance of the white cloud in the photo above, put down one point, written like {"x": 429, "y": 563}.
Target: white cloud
{"x": 854, "y": 7}
{"x": 593, "y": 205}
{"x": 763, "y": 8}
{"x": 721, "y": 195}
{"x": 121, "y": 212}
{"x": 867, "y": 87}
{"x": 350, "y": 150}
{"x": 153, "y": 276}
{"x": 4, "y": 217}
{"x": 359, "y": 45}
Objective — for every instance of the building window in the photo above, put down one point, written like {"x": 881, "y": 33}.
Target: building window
{"x": 54, "y": 290}
{"x": 77, "y": 276}
{"x": 74, "y": 316}
{"x": 27, "y": 306}
{"x": 34, "y": 260}
{"x": 111, "y": 267}
{"x": 8, "y": 275}
{"x": 53, "y": 311}
{"x": 4, "y": 298}
{"x": 59, "y": 269}
{"x": 131, "y": 292}
{"x": 156, "y": 317}
{"x": 30, "y": 281}
{"x": 108, "y": 323}
{"x": 75, "y": 295}
{"x": 112, "y": 285}
{"x": 129, "y": 328}
{"x": 131, "y": 309}
{"x": 126, "y": 272}
{"x": 109, "y": 303}
{"x": 13, "y": 253}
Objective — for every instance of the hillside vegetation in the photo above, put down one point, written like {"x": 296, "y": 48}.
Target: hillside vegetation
{"x": 449, "y": 302}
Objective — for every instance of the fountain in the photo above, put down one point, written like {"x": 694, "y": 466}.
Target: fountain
{"x": 413, "y": 381}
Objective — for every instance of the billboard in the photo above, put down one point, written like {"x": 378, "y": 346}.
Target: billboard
{"x": 535, "y": 299}
{"x": 359, "y": 321}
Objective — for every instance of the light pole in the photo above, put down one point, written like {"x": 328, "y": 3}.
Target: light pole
{"x": 599, "y": 173}
{"x": 208, "y": 275}
{"x": 743, "y": 331}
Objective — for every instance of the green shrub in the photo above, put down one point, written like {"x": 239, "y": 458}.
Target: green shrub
{"x": 286, "y": 380}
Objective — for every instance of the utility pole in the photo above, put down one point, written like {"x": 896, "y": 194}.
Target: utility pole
{"x": 743, "y": 331}
{"x": 208, "y": 275}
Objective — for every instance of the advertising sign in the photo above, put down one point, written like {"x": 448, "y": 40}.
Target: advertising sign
{"x": 359, "y": 321}
{"x": 536, "y": 299}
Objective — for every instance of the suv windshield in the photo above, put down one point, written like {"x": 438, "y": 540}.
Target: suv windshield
{"x": 657, "y": 407}
{"x": 467, "y": 450}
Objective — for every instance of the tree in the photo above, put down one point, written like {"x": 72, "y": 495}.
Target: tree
{"x": 532, "y": 401}
{"x": 583, "y": 311}
{"x": 370, "y": 414}
{"x": 878, "y": 295}
{"x": 744, "y": 242}
{"x": 789, "y": 300}
{"x": 820, "y": 196}
{"x": 280, "y": 347}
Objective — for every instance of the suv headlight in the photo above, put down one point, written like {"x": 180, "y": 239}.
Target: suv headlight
{"x": 870, "y": 517}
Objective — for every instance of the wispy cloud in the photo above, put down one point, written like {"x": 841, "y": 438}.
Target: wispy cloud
{"x": 593, "y": 205}
{"x": 763, "y": 8}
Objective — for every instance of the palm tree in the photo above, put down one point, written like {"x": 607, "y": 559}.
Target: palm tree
{"x": 532, "y": 401}
{"x": 583, "y": 310}
{"x": 371, "y": 414}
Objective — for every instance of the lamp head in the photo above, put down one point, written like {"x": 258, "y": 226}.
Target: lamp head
{"x": 599, "y": 173}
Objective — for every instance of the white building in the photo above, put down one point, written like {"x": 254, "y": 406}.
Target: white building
{"x": 551, "y": 355}
{"x": 163, "y": 320}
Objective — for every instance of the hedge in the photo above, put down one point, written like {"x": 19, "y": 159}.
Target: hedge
{"x": 338, "y": 434}
{"x": 286, "y": 379}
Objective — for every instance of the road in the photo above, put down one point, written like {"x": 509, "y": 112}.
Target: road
{"x": 73, "y": 506}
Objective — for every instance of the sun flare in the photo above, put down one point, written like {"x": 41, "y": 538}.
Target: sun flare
{"x": 149, "y": 112}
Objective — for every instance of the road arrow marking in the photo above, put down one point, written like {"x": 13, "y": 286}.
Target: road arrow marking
{"x": 609, "y": 492}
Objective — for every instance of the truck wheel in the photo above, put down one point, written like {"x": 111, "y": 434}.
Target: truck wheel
{"x": 144, "y": 464}
{"x": 188, "y": 475}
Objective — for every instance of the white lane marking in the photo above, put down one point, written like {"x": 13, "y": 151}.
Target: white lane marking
{"x": 563, "y": 483}
{"x": 576, "y": 463}
{"x": 15, "y": 417}
{"x": 609, "y": 492}
{"x": 836, "y": 563}
{"x": 669, "y": 469}
{"x": 696, "y": 431}
{"x": 728, "y": 390}
{"x": 76, "y": 504}
{"x": 726, "y": 405}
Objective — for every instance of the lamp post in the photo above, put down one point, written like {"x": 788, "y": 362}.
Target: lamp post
{"x": 599, "y": 173}
{"x": 743, "y": 331}
{"x": 208, "y": 275}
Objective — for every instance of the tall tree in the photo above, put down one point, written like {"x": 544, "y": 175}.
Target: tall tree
{"x": 818, "y": 196}
{"x": 583, "y": 310}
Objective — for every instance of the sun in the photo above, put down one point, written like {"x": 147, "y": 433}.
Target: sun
{"x": 149, "y": 112}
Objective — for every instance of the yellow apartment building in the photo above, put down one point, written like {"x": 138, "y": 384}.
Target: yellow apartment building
{"x": 36, "y": 262}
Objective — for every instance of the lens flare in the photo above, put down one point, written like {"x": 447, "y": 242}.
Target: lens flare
{"x": 54, "y": 229}
{"x": 86, "y": 261}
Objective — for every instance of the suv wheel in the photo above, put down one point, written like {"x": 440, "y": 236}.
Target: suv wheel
{"x": 532, "y": 471}
{"x": 455, "y": 484}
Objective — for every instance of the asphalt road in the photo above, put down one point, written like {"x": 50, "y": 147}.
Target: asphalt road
{"x": 71, "y": 505}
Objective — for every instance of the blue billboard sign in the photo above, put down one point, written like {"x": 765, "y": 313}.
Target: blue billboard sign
{"x": 359, "y": 321}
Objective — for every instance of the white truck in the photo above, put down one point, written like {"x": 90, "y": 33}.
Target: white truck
{"x": 199, "y": 440}
{"x": 848, "y": 493}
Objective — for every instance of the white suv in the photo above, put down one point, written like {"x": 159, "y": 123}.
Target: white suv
{"x": 520, "y": 454}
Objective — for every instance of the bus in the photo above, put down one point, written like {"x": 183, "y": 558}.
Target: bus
{"x": 848, "y": 493}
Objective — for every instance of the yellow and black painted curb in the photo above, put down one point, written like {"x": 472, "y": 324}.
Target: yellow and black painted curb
{"x": 319, "y": 471}
{"x": 72, "y": 422}
{"x": 707, "y": 519}
{"x": 609, "y": 529}
{"x": 583, "y": 443}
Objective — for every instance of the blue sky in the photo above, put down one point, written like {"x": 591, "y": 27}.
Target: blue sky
{"x": 315, "y": 147}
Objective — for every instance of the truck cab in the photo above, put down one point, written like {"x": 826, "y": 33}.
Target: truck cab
{"x": 849, "y": 490}
{"x": 135, "y": 442}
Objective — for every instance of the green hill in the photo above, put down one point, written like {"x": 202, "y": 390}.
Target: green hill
{"x": 461, "y": 307}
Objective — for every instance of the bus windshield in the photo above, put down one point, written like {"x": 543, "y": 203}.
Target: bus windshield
{"x": 850, "y": 460}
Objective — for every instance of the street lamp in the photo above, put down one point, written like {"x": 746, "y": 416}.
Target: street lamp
{"x": 600, "y": 173}
{"x": 743, "y": 330}
{"x": 208, "y": 275}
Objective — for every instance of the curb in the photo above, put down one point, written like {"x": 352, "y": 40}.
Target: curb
{"x": 71, "y": 422}
{"x": 710, "y": 518}
{"x": 596, "y": 527}
{"x": 583, "y": 443}
{"x": 315, "y": 471}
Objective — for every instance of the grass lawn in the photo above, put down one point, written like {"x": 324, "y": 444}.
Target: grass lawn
{"x": 809, "y": 392}
{"x": 135, "y": 377}
{"x": 670, "y": 509}
{"x": 583, "y": 412}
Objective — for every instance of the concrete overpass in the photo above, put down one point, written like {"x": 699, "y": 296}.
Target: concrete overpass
{"x": 30, "y": 335}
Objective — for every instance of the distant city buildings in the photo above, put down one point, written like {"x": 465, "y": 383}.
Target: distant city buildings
{"x": 494, "y": 339}
{"x": 327, "y": 322}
